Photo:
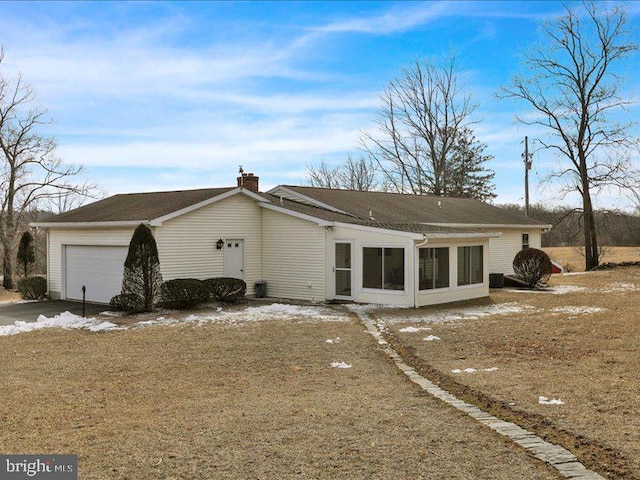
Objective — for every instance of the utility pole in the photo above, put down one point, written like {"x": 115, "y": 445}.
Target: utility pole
{"x": 527, "y": 167}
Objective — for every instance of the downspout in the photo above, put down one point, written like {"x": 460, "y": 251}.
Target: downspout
{"x": 416, "y": 270}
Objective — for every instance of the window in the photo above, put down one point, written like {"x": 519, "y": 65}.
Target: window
{"x": 433, "y": 266}
{"x": 470, "y": 265}
{"x": 525, "y": 240}
{"x": 383, "y": 268}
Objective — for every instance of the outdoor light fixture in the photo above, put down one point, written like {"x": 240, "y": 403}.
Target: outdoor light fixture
{"x": 219, "y": 244}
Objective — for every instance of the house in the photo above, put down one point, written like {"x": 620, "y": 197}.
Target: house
{"x": 307, "y": 243}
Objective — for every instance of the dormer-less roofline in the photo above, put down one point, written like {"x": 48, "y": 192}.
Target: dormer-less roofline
{"x": 291, "y": 194}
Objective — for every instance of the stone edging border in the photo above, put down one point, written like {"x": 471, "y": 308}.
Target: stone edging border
{"x": 558, "y": 457}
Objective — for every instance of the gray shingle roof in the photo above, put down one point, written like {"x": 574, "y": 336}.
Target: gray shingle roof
{"x": 403, "y": 208}
{"x": 137, "y": 206}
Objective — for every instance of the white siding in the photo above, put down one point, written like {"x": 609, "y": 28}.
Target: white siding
{"x": 59, "y": 238}
{"x": 187, "y": 244}
{"x": 293, "y": 257}
{"x": 502, "y": 250}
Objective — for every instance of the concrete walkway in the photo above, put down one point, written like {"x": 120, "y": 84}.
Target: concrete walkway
{"x": 558, "y": 457}
{"x": 29, "y": 311}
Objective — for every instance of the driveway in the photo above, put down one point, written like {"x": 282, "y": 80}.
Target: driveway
{"x": 29, "y": 312}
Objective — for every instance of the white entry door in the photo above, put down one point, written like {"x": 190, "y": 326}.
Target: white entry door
{"x": 342, "y": 270}
{"x": 234, "y": 258}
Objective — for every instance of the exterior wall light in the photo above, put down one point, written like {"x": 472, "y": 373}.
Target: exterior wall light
{"x": 219, "y": 244}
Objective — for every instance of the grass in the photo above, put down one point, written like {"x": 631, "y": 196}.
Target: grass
{"x": 254, "y": 400}
{"x": 573, "y": 257}
{"x": 581, "y": 347}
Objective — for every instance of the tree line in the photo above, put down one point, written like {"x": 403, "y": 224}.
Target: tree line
{"x": 424, "y": 142}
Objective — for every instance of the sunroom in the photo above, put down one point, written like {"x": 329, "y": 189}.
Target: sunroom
{"x": 373, "y": 265}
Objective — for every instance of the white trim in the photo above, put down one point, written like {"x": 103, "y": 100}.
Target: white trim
{"x": 129, "y": 223}
{"x": 307, "y": 199}
{"x": 464, "y": 235}
{"x": 351, "y": 270}
{"x": 488, "y": 225}
{"x": 156, "y": 222}
{"x": 365, "y": 228}
{"x": 309, "y": 218}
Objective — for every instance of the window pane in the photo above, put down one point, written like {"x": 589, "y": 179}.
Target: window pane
{"x": 441, "y": 267}
{"x": 394, "y": 268}
{"x": 433, "y": 265}
{"x": 343, "y": 255}
{"x": 372, "y": 267}
{"x": 476, "y": 265}
{"x": 525, "y": 240}
{"x": 425, "y": 268}
{"x": 464, "y": 267}
{"x": 343, "y": 283}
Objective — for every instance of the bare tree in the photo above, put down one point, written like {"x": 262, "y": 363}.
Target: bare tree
{"x": 574, "y": 91}
{"x": 30, "y": 171}
{"x": 353, "y": 174}
{"x": 423, "y": 116}
{"x": 323, "y": 176}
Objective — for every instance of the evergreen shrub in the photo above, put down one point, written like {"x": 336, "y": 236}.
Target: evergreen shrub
{"x": 183, "y": 293}
{"x": 32, "y": 288}
{"x": 225, "y": 289}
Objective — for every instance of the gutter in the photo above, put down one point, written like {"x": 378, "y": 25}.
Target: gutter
{"x": 129, "y": 223}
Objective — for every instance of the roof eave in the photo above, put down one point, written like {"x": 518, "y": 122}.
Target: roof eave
{"x": 118, "y": 224}
{"x": 490, "y": 225}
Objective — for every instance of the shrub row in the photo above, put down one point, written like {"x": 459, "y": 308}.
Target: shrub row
{"x": 183, "y": 293}
{"x": 32, "y": 288}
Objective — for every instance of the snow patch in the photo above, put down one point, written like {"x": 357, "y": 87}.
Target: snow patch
{"x": 545, "y": 401}
{"x": 620, "y": 288}
{"x": 556, "y": 290}
{"x": 333, "y": 340}
{"x": 571, "y": 310}
{"x": 64, "y": 320}
{"x": 413, "y": 329}
{"x": 473, "y": 370}
{"x": 430, "y": 338}
{"x": 467, "y": 313}
{"x": 340, "y": 365}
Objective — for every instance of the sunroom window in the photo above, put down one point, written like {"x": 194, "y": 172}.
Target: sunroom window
{"x": 470, "y": 265}
{"x": 383, "y": 268}
{"x": 433, "y": 266}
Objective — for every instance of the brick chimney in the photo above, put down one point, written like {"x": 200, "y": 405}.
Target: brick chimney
{"x": 248, "y": 181}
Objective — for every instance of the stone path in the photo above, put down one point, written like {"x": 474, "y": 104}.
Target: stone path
{"x": 558, "y": 457}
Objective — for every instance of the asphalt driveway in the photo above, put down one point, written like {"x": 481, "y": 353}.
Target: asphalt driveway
{"x": 29, "y": 312}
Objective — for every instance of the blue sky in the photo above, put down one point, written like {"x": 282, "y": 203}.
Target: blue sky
{"x": 162, "y": 96}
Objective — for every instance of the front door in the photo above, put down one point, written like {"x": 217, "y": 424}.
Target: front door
{"x": 234, "y": 258}
{"x": 342, "y": 270}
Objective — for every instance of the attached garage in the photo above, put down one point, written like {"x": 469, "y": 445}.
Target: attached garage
{"x": 98, "y": 268}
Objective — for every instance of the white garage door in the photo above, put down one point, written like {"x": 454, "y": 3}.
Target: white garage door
{"x": 98, "y": 268}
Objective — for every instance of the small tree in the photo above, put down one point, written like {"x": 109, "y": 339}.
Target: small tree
{"x": 532, "y": 266}
{"x": 26, "y": 252}
{"x": 142, "y": 276}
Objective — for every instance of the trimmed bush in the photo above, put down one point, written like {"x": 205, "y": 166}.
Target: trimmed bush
{"x": 32, "y": 288}
{"x": 183, "y": 293}
{"x": 141, "y": 276}
{"x": 26, "y": 252}
{"x": 532, "y": 266}
{"x": 128, "y": 302}
{"x": 226, "y": 289}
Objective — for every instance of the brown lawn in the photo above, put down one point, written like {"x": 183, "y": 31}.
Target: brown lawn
{"x": 572, "y": 256}
{"x": 8, "y": 295}
{"x": 581, "y": 346}
{"x": 255, "y": 400}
